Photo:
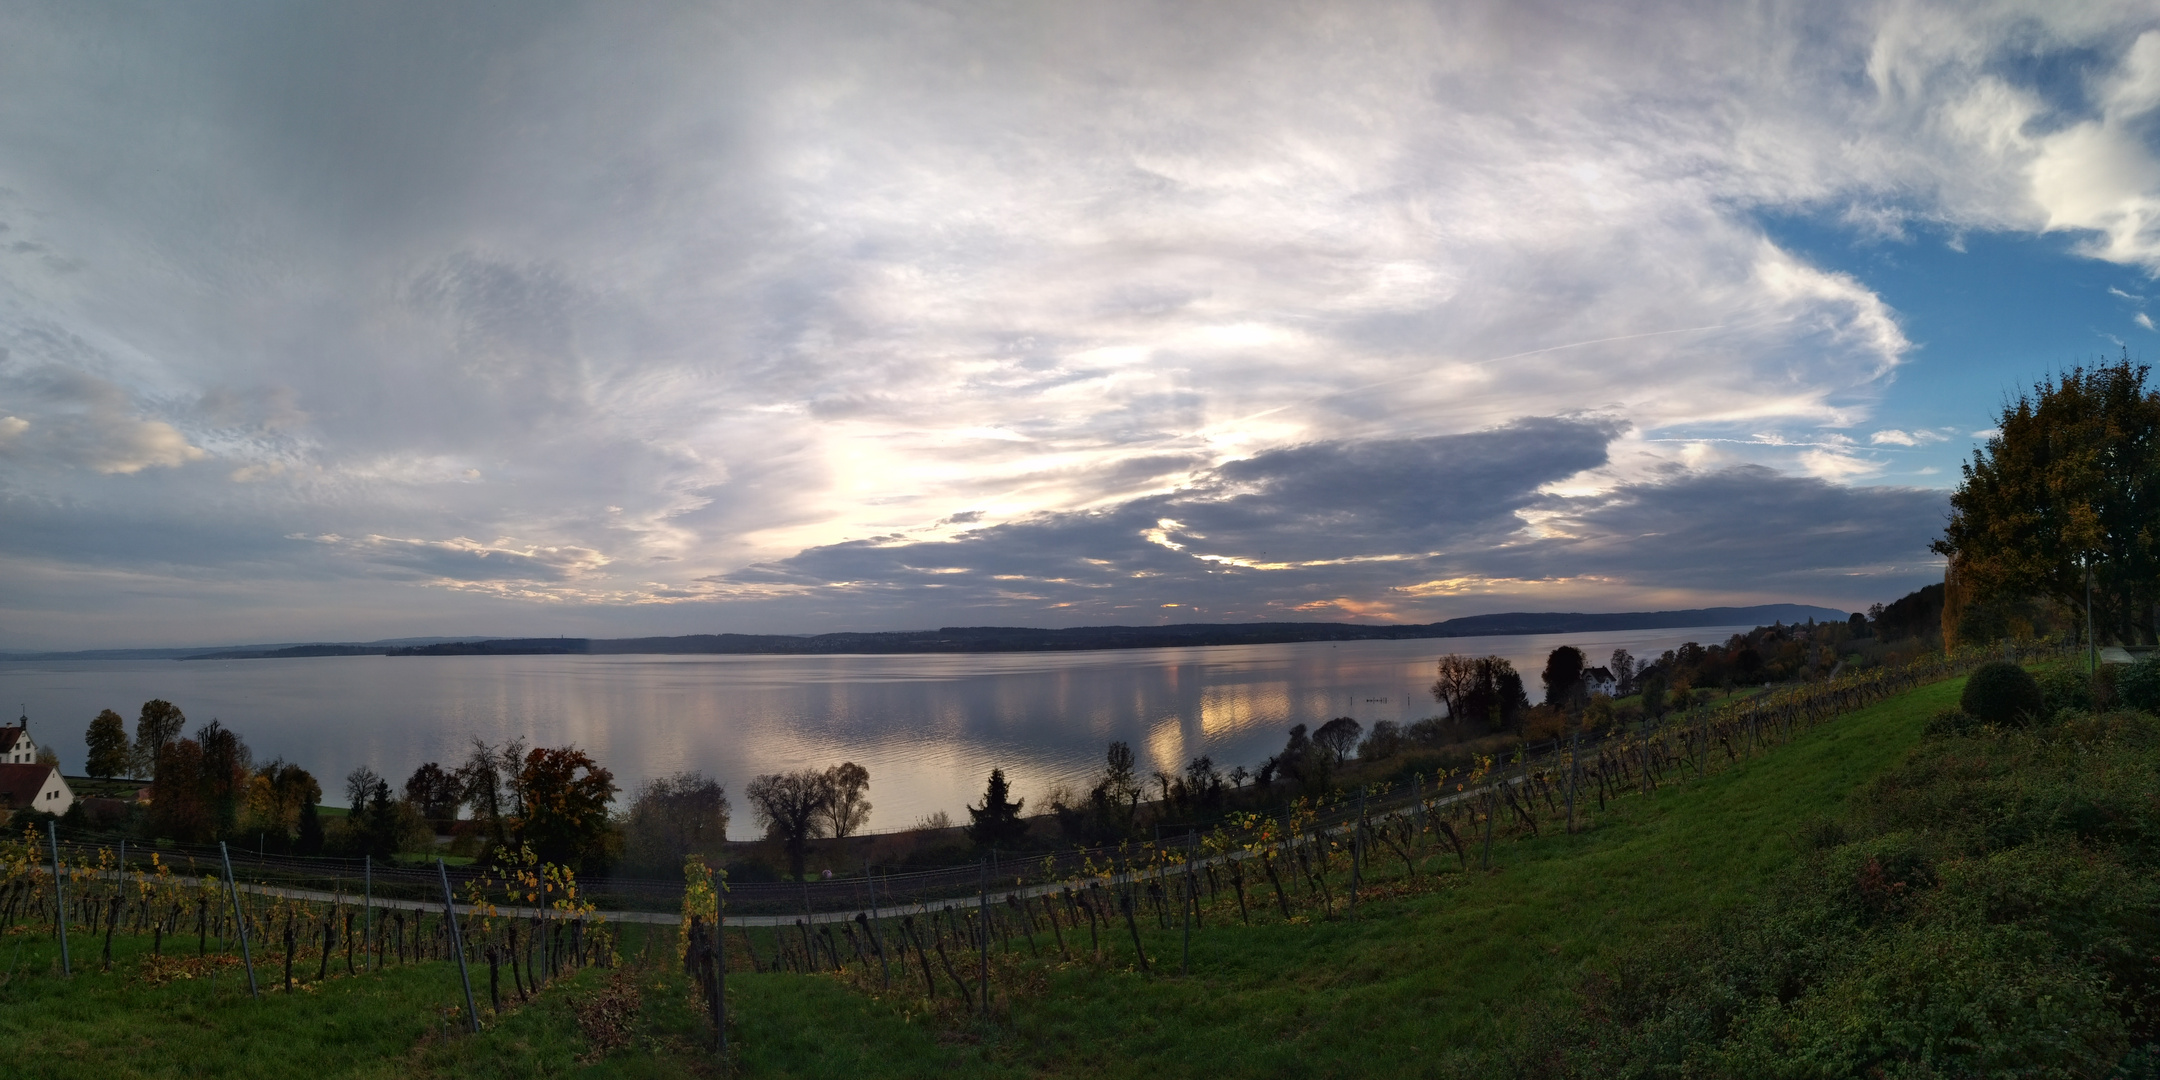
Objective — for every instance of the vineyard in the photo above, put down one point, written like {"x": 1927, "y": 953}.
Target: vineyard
{"x": 997, "y": 956}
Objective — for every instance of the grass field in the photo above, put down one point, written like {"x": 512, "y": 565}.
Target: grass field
{"x": 1428, "y": 978}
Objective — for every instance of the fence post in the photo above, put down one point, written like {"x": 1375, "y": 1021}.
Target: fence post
{"x": 457, "y": 945}
{"x": 367, "y": 917}
{"x": 984, "y": 939}
{"x": 239, "y": 920}
{"x": 1357, "y": 851}
{"x": 719, "y": 961}
{"x": 1185, "y": 964}
{"x": 1574, "y": 749}
{"x": 59, "y": 898}
{"x": 877, "y": 942}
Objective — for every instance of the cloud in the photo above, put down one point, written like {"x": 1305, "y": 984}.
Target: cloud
{"x": 505, "y": 566}
{"x": 704, "y": 290}
{"x": 2143, "y": 320}
{"x": 1896, "y": 437}
{"x": 1401, "y": 529}
{"x": 82, "y": 421}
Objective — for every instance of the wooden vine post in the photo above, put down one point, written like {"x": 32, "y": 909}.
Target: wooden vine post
{"x": 1185, "y": 964}
{"x": 1574, "y": 749}
{"x": 457, "y": 944}
{"x": 239, "y": 921}
{"x": 719, "y": 963}
{"x": 982, "y": 941}
{"x": 59, "y": 896}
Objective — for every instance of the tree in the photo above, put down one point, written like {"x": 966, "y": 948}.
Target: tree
{"x": 1652, "y": 687}
{"x": 277, "y": 796}
{"x": 790, "y": 807}
{"x": 1624, "y": 669}
{"x": 1385, "y": 741}
{"x": 1563, "y": 676}
{"x": 310, "y": 841}
{"x": 1458, "y": 678}
{"x": 226, "y": 765}
{"x": 1339, "y": 737}
{"x": 846, "y": 810}
{"x": 159, "y": 724}
{"x": 359, "y": 786}
{"x": 1114, "y": 801}
{"x": 672, "y": 818}
{"x": 375, "y": 826}
{"x": 563, "y": 796}
{"x": 177, "y": 807}
{"x": 1203, "y": 783}
{"x": 2070, "y": 482}
{"x": 107, "y": 741}
{"x": 482, "y": 777}
{"x": 435, "y": 792}
{"x": 1495, "y": 695}
{"x": 996, "y": 823}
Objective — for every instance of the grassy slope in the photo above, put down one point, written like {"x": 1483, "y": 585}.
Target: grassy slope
{"x": 1420, "y": 979}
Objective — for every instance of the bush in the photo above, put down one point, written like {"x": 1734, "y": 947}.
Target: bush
{"x": 1987, "y": 908}
{"x": 2066, "y": 687}
{"x": 1951, "y": 722}
{"x": 2139, "y": 684}
{"x": 2003, "y": 694}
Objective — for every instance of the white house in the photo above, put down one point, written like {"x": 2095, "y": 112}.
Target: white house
{"x": 15, "y": 745}
{"x": 34, "y": 787}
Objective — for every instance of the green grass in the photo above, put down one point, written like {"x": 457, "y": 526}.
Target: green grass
{"x": 1423, "y": 981}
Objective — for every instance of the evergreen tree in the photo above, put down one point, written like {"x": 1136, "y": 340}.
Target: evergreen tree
{"x": 311, "y": 834}
{"x": 996, "y": 823}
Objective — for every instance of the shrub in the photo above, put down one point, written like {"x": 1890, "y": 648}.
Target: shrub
{"x": 2139, "y": 684}
{"x": 1951, "y": 722}
{"x": 2003, "y": 694}
{"x": 2065, "y": 687}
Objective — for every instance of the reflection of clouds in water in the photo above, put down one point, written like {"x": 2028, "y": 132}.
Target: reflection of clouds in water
{"x": 929, "y": 728}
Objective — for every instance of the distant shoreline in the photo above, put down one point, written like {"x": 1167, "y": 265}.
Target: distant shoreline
{"x": 993, "y": 639}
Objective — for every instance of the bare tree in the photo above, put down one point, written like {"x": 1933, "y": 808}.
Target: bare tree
{"x": 791, "y": 807}
{"x": 483, "y": 781}
{"x": 847, "y": 810}
{"x": 1458, "y": 679}
{"x": 359, "y": 784}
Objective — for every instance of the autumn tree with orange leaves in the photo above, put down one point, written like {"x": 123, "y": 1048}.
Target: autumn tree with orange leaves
{"x": 563, "y": 797}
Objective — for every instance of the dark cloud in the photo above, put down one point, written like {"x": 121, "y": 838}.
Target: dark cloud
{"x": 1736, "y": 528}
{"x": 1310, "y": 524}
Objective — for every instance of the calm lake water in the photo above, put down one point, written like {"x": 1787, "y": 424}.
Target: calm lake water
{"x": 928, "y": 727}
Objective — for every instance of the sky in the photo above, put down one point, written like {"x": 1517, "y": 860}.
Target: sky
{"x": 347, "y": 322}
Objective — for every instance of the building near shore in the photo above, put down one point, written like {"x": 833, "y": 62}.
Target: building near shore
{"x": 34, "y": 787}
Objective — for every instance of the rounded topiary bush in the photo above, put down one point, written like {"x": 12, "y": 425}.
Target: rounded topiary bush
{"x": 2003, "y": 694}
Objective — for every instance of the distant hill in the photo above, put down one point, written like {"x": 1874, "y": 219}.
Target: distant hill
{"x": 224, "y": 652}
{"x": 960, "y": 639}
{"x": 957, "y": 639}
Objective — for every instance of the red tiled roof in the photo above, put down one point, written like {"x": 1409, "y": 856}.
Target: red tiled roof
{"x": 8, "y": 735}
{"x": 20, "y": 784}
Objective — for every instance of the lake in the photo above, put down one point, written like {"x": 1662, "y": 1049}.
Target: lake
{"x": 929, "y": 727}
